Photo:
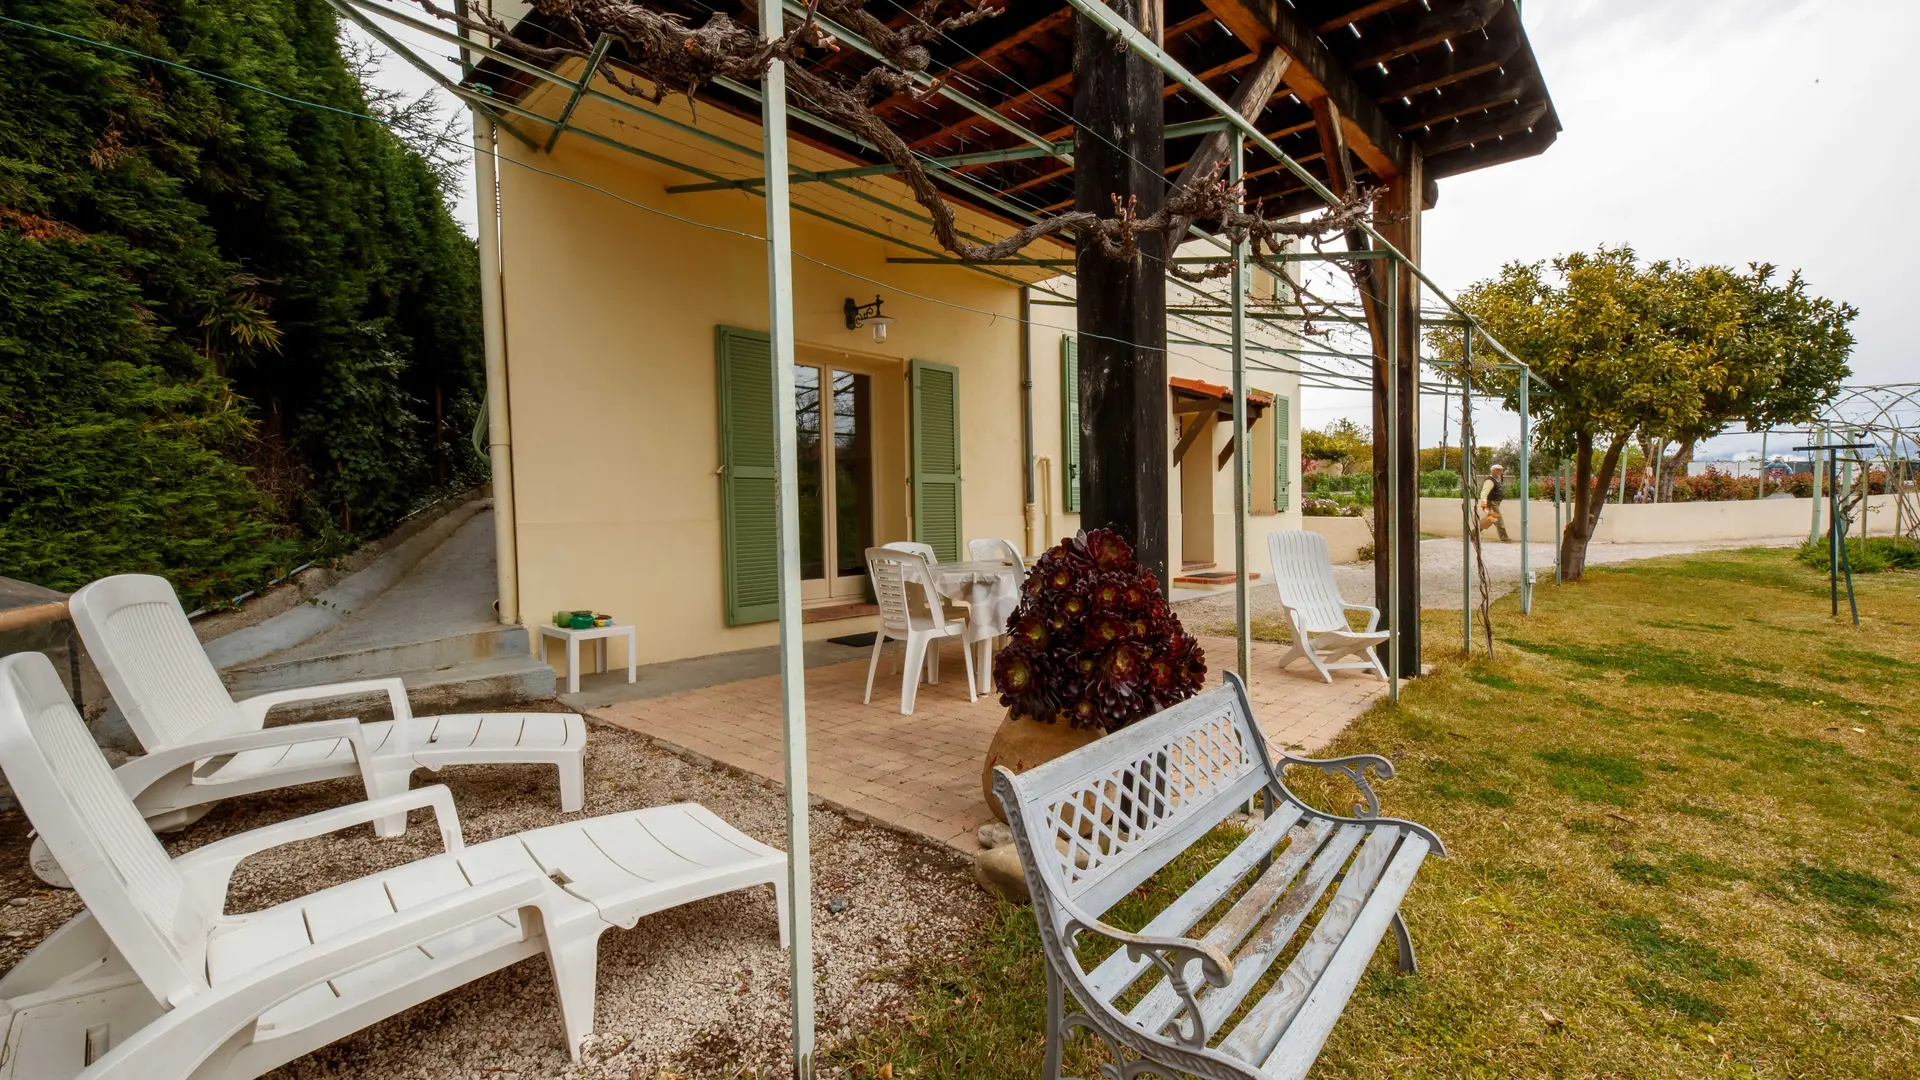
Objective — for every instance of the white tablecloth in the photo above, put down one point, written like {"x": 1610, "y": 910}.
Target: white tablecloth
{"x": 991, "y": 590}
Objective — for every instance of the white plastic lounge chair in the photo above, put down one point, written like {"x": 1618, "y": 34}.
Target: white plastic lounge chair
{"x": 202, "y": 746}
{"x": 155, "y": 980}
{"x": 916, "y": 623}
{"x": 1303, "y": 571}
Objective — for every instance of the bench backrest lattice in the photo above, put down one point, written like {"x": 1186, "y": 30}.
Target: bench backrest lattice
{"x": 1303, "y": 572}
{"x": 1095, "y": 824}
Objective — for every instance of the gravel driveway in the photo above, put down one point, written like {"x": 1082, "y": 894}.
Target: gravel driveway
{"x": 1440, "y": 561}
{"x": 698, "y": 991}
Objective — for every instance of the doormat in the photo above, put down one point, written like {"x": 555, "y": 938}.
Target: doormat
{"x": 855, "y": 641}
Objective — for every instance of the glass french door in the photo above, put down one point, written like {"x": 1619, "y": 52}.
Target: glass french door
{"x": 834, "y": 420}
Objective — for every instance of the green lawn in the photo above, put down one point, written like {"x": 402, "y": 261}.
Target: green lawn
{"x": 1682, "y": 805}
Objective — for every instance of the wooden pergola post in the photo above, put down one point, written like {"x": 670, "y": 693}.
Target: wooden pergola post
{"x": 1398, "y": 555}
{"x": 1121, "y": 307}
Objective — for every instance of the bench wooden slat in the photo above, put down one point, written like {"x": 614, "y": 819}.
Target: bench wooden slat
{"x": 1116, "y": 972}
{"x": 1161, "y": 1003}
{"x": 1251, "y": 963}
{"x": 1314, "y": 1022}
{"x": 1262, "y": 1028}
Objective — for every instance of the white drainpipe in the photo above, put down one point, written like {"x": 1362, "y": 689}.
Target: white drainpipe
{"x": 493, "y": 324}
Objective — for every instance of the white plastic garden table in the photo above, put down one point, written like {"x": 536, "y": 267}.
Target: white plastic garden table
{"x": 596, "y": 634}
{"x": 991, "y": 590}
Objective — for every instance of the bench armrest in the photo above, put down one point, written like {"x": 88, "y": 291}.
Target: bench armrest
{"x": 140, "y": 773}
{"x": 1171, "y": 955}
{"x": 177, "y": 1044}
{"x": 1354, "y": 768}
{"x": 207, "y": 871}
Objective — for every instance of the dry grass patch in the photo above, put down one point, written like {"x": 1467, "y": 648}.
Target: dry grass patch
{"x": 1683, "y": 808}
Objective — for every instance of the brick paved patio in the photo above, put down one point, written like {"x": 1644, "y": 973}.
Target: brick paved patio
{"x": 921, "y": 773}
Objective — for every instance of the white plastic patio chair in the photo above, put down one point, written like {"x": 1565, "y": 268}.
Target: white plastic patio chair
{"x": 155, "y": 980}
{"x": 202, "y": 746}
{"x": 916, "y": 623}
{"x": 1303, "y": 572}
{"x": 986, "y": 549}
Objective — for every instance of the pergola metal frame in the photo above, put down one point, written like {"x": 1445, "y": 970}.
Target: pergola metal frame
{"x": 774, "y": 185}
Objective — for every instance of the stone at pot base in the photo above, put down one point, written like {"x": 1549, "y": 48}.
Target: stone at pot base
{"x": 998, "y": 871}
{"x": 1022, "y": 743}
{"x": 993, "y": 834}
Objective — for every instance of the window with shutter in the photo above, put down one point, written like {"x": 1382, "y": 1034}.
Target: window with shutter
{"x": 1070, "y": 423}
{"x": 749, "y": 484}
{"x": 1282, "y": 454}
{"x": 936, "y": 457}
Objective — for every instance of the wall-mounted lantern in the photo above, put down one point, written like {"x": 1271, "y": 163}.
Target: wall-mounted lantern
{"x": 859, "y": 315}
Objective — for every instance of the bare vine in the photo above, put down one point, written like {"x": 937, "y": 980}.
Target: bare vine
{"x": 676, "y": 57}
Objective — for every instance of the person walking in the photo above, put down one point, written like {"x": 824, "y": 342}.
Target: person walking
{"x": 1493, "y": 492}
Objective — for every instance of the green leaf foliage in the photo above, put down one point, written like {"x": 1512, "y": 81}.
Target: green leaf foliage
{"x": 233, "y": 329}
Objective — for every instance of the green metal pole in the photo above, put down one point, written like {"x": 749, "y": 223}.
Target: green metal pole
{"x": 1560, "y": 494}
{"x": 1526, "y": 496}
{"x": 1466, "y": 493}
{"x": 1813, "y": 456}
{"x": 1242, "y": 453}
{"x": 793, "y": 668}
{"x": 1393, "y": 482}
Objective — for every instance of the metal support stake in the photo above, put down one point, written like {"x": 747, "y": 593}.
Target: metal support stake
{"x": 1393, "y": 483}
{"x": 1526, "y": 496}
{"x": 1559, "y": 525}
{"x": 793, "y": 671}
{"x": 1242, "y": 452}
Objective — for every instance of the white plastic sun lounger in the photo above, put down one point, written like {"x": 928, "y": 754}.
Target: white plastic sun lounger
{"x": 154, "y": 981}
{"x": 1303, "y": 572}
{"x": 202, "y": 746}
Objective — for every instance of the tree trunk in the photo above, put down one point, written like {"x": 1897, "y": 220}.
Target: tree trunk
{"x": 1588, "y": 500}
{"x": 1673, "y": 467}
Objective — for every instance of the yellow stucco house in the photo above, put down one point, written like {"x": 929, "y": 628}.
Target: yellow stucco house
{"x": 632, "y": 286}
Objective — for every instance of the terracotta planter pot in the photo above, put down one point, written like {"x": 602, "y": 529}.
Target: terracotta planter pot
{"x": 1022, "y": 743}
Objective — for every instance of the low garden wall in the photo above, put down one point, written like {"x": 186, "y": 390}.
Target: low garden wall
{"x": 1666, "y": 523}
{"x": 1345, "y": 536}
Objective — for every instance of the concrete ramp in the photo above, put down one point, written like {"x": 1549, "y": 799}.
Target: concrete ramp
{"x": 435, "y": 628}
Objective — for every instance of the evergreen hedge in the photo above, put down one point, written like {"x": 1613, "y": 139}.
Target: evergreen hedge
{"x": 234, "y": 331}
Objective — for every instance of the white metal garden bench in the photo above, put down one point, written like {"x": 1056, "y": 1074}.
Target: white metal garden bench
{"x": 202, "y": 746}
{"x": 1316, "y": 612}
{"x": 1093, "y": 825}
{"x": 155, "y": 981}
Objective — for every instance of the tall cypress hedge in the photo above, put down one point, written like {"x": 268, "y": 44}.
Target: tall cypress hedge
{"x": 234, "y": 330}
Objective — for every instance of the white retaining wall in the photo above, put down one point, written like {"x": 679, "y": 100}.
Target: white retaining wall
{"x": 1664, "y": 523}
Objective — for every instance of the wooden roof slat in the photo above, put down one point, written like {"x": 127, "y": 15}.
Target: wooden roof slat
{"x": 1481, "y": 128}
{"x": 1431, "y": 29}
{"x": 1488, "y": 90}
{"x": 1364, "y": 11}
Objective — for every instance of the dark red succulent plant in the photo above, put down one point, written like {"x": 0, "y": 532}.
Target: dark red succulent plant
{"x": 1093, "y": 641}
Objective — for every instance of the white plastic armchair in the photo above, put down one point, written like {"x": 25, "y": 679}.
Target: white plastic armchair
{"x": 1303, "y": 573}
{"x": 917, "y": 624}
{"x": 987, "y": 549}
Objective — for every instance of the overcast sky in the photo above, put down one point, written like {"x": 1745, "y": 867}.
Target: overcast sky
{"x": 1714, "y": 131}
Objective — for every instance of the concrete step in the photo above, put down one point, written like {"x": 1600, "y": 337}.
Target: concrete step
{"x": 474, "y": 686}
{"x": 364, "y": 660}
{"x": 1211, "y": 579}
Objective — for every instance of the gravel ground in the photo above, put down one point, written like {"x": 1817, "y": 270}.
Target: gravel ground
{"x": 697, "y": 991}
{"x": 1440, "y": 574}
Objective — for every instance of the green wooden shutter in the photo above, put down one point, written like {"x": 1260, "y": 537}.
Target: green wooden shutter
{"x": 749, "y": 483}
{"x": 936, "y": 457}
{"x": 1070, "y": 423}
{"x": 1282, "y": 453}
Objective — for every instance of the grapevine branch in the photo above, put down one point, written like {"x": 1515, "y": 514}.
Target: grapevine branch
{"x": 676, "y": 57}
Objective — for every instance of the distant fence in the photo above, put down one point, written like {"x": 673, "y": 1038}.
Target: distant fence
{"x": 1668, "y": 523}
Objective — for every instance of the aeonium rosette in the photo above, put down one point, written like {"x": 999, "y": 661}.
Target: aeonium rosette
{"x": 1093, "y": 641}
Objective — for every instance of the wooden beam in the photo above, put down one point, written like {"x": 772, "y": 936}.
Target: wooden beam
{"x": 1482, "y": 128}
{"x": 1364, "y": 11}
{"x": 1226, "y": 455}
{"x": 1249, "y": 100}
{"x": 1478, "y": 94}
{"x": 1511, "y": 148}
{"x": 974, "y": 120}
{"x": 1456, "y": 20}
{"x": 1471, "y": 56}
{"x": 1316, "y": 73}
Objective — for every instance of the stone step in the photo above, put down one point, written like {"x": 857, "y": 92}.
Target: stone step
{"x": 473, "y": 686}
{"x": 316, "y": 663}
{"x": 1211, "y": 579}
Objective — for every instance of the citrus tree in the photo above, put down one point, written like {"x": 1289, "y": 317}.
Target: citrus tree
{"x": 1661, "y": 350}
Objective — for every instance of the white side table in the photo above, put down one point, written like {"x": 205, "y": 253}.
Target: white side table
{"x": 596, "y": 634}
